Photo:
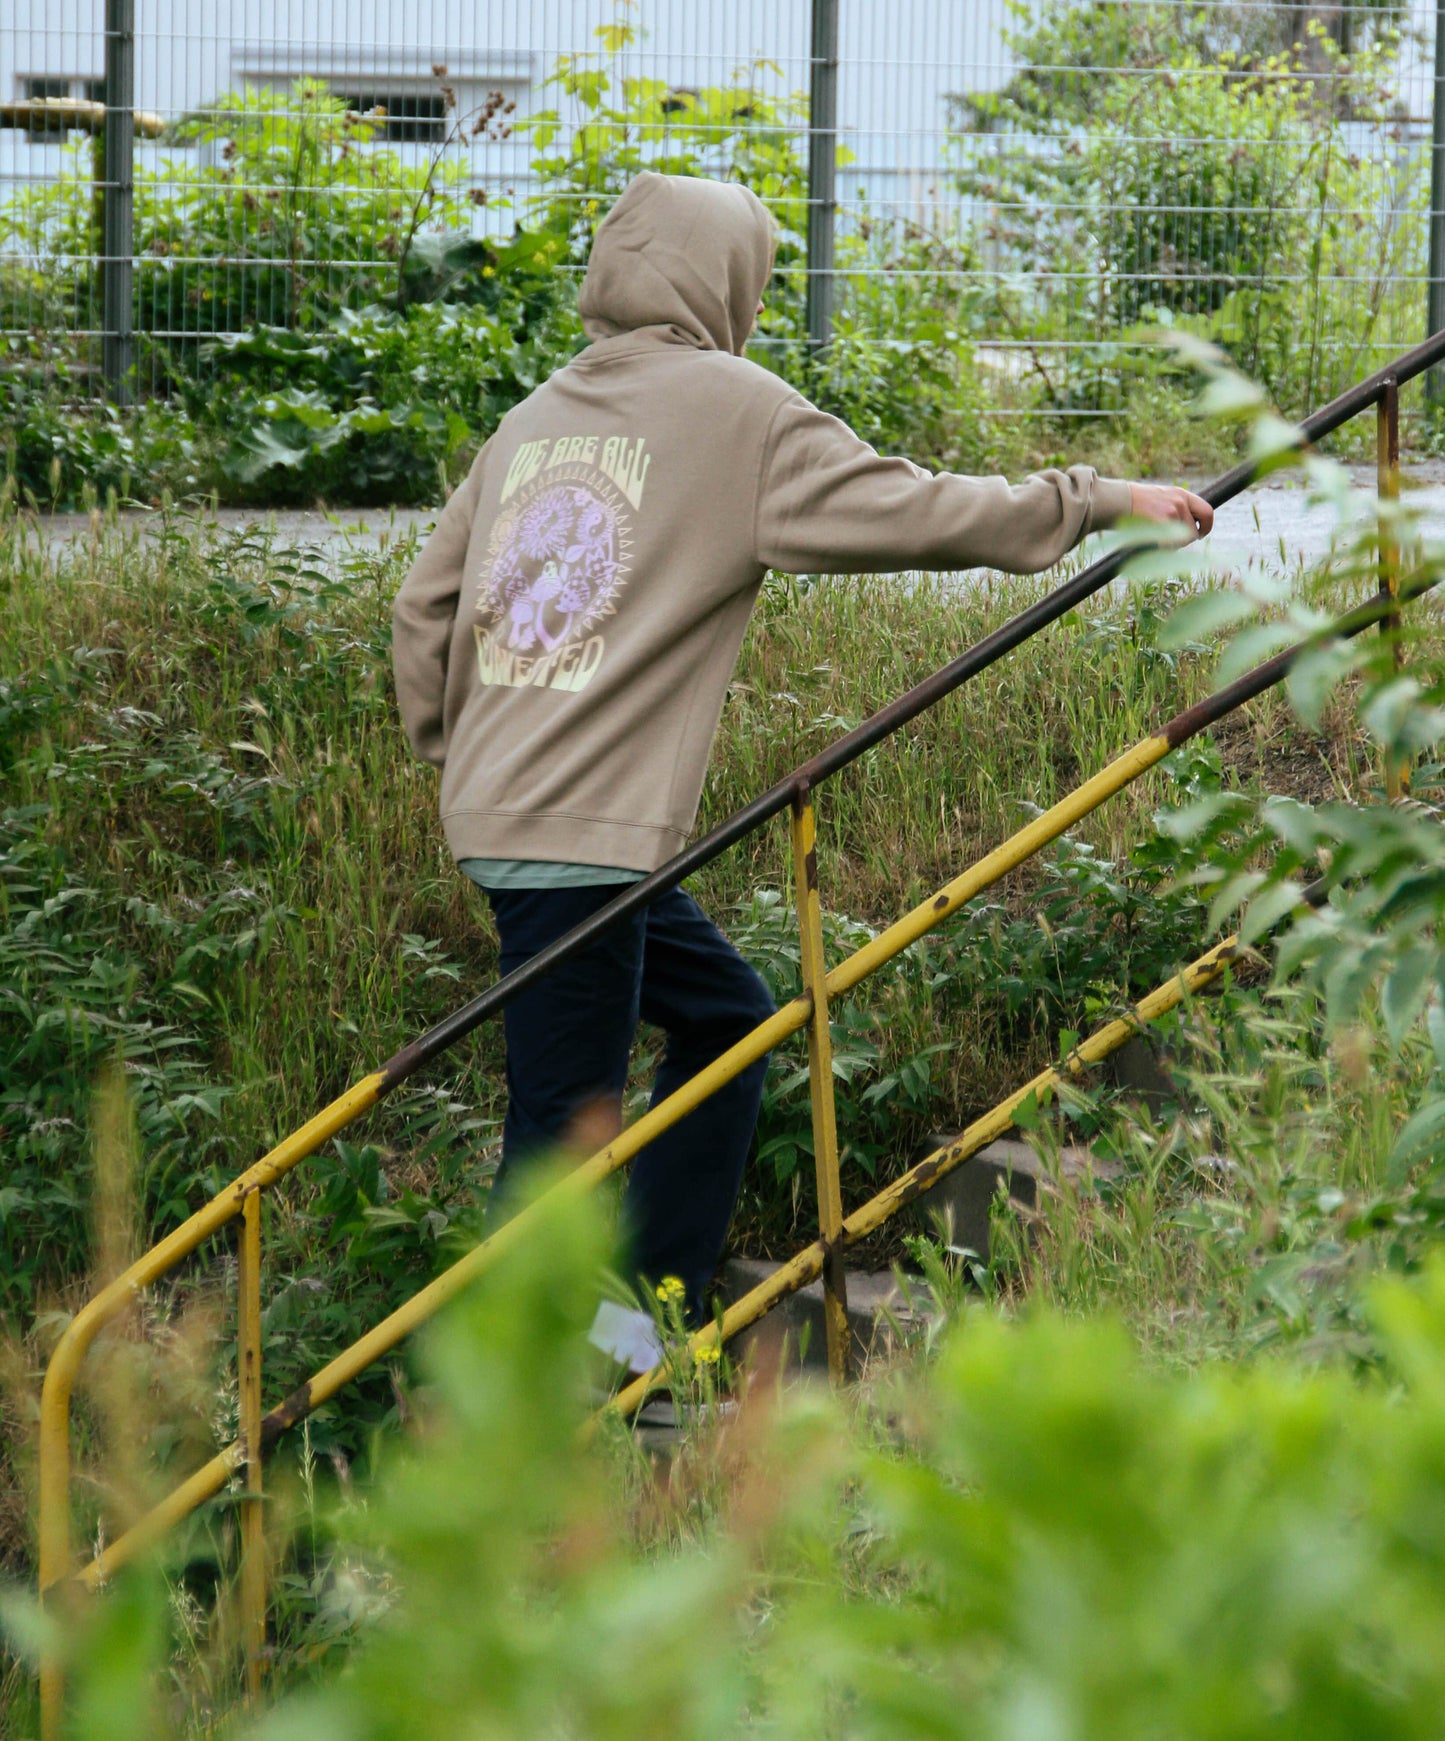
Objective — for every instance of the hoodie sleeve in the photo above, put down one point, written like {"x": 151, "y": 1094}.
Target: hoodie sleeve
{"x": 828, "y": 503}
{"x": 422, "y": 619}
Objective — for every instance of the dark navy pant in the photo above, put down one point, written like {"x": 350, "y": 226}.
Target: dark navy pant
{"x": 568, "y": 1039}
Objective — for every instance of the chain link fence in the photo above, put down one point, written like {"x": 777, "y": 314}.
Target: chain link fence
{"x": 985, "y": 208}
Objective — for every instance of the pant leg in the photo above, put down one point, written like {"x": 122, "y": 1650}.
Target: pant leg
{"x": 569, "y": 1035}
{"x": 683, "y": 1186}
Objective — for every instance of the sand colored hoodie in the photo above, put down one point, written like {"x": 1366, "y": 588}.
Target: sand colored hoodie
{"x": 564, "y": 641}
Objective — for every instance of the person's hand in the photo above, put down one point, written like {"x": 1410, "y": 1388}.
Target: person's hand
{"x": 1162, "y": 502}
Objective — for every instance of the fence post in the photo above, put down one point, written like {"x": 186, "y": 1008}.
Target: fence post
{"x": 1435, "y": 307}
{"x": 118, "y": 202}
{"x": 248, "y": 1354}
{"x": 823, "y": 169}
{"x": 820, "y": 1085}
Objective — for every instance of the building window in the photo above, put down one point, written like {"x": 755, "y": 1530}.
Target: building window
{"x": 412, "y": 117}
{"x": 51, "y": 129}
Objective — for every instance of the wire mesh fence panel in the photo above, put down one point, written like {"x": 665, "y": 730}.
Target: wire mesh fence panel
{"x": 365, "y": 219}
{"x": 1255, "y": 173}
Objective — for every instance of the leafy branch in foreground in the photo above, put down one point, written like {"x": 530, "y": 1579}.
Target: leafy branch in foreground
{"x": 1228, "y": 1552}
{"x": 1370, "y": 936}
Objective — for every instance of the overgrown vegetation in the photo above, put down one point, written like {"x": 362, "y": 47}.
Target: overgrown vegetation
{"x": 1149, "y": 165}
{"x": 222, "y": 872}
{"x": 1038, "y": 1523}
{"x": 1168, "y": 1462}
{"x": 211, "y": 821}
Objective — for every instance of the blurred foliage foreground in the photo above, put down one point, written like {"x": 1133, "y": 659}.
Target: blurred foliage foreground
{"x": 1035, "y": 1537}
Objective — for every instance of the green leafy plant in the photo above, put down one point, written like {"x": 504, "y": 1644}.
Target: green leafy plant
{"x": 1232, "y": 1551}
{"x": 320, "y": 214}
{"x": 741, "y": 131}
{"x": 379, "y": 404}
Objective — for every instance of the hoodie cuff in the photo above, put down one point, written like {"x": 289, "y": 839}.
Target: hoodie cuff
{"x": 1109, "y": 502}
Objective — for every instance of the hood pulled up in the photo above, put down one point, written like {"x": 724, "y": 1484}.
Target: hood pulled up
{"x": 681, "y": 252}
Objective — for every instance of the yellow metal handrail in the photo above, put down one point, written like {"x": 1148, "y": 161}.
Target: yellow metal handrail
{"x": 824, "y": 1257}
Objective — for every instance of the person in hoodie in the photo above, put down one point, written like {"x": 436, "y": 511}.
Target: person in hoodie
{"x": 564, "y": 642}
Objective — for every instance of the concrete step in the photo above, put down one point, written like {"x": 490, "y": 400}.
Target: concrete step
{"x": 963, "y": 1198}
{"x": 793, "y": 1333}
{"x": 879, "y": 1308}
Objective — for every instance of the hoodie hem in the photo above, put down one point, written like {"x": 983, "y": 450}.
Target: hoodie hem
{"x": 560, "y": 838}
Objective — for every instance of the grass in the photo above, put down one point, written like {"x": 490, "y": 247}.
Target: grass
{"x": 222, "y": 865}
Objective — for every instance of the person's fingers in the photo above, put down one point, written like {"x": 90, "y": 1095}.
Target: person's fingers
{"x": 1203, "y": 512}
{"x": 1165, "y": 504}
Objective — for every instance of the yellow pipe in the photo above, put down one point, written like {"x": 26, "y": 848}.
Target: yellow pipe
{"x": 807, "y": 1265}
{"x": 248, "y": 1360}
{"x": 997, "y": 864}
{"x": 983, "y": 1131}
{"x": 54, "y": 1447}
{"x": 820, "y": 1088}
{"x": 207, "y": 1481}
{"x": 383, "y": 1337}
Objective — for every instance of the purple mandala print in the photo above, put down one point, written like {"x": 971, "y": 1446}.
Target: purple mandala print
{"x": 556, "y": 566}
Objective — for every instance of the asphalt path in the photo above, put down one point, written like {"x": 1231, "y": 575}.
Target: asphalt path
{"x": 1275, "y": 524}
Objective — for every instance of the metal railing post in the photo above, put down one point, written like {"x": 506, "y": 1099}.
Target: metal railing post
{"x": 52, "y": 1694}
{"x": 1387, "y": 461}
{"x": 118, "y": 203}
{"x": 248, "y": 1354}
{"x": 820, "y": 1085}
{"x": 54, "y": 1556}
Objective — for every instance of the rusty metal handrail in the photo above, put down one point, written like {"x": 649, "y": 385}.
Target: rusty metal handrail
{"x": 810, "y": 1010}
{"x": 813, "y": 1260}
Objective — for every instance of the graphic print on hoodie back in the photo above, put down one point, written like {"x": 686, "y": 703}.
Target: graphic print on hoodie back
{"x": 557, "y": 560}
{"x": 564, "y": 642}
